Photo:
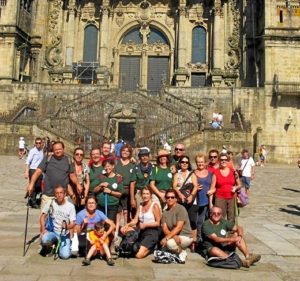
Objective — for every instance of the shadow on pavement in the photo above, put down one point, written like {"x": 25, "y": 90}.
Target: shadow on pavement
{"x": 292, "y": 226}
{"x": 292, "y": 212}
{"x": 291, "y": 189}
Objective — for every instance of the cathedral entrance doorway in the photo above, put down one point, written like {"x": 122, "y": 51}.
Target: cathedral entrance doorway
{"x": 126, "y": 132}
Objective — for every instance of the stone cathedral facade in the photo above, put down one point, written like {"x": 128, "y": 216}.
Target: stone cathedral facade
{"x": 237, "y": 57}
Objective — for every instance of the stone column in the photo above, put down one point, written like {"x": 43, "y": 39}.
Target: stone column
{"x": 217, "y": 36}
{"x": 181, "y": 39}
{"x": 103, "y": 36}
{"x": 70, "y": 36}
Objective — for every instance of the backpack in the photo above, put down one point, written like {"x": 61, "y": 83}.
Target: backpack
{"x": 128, "y": 247}
{"x": 232, "y": 261}
{"x": 165, "y": 257}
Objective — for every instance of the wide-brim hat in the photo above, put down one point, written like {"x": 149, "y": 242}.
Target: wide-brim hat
{"x": 163, "y": 153}
{"x": 144, "y": 151}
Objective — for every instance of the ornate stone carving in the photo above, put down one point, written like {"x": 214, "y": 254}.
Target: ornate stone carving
{"x": 234, "y": 56}
{"x": 196, "y": 13}
{"x": 120, "y": 18}
{"x": 198, "y": 67}
{"x": 88, "y": 13}
{"x": 218, "y": 8}
{"x": 53, "y": 48}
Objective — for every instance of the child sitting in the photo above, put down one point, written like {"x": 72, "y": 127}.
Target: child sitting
{"x": 99, "y": 244}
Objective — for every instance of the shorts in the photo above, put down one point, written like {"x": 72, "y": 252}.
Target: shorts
{"x": 246, "y": 181}
{"x": 224, "y": 248}
{"x": 124, "y": 203}
{"x": 149, "y": 238}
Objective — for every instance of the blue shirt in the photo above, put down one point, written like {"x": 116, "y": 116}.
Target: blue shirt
{"x": 34, "y": 158}
{"x": 99, "y": 217}
{"x": 202, "y": 194}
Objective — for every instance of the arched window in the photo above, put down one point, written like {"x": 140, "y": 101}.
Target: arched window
{"x": 157, "y": 36}
{"x": 133, "y": 36}
{"x": 199, "y": 45}
{"x": 90, "y": 43}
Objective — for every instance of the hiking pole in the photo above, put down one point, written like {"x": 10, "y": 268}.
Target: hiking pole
{"x": 59, "y": 240}
{"x": 105, "y": 203}
{"x": 26, "y": 224}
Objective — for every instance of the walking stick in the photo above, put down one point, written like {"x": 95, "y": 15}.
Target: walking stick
{"x": 26, "y": 224}
{"x": 105, "y": 203}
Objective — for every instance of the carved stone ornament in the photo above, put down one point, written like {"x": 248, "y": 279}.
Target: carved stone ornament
{"x": 88, "y": 13}
{"x": 120, "y": 18}
{"x": 198, "y": 67}
{"x": 234, "y": 55}
{"x": 218, "y": 8}
{"x": 54, "y": 49}
{"x": 196, "y": 13}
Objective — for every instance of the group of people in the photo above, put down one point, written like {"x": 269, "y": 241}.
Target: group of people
{"x": 169, "y": 204}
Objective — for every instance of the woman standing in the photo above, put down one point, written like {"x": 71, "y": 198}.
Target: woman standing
{"x": 161, "y": 178}
{"x": 109, "y": 190}
{"x": 223, "y": 186}
{"x": 82, "y": 173}
{"x": 86, "y": 220}
{"x": 204, "y": 178}
{"x": 185, "y": 176}
{"x": 147, "y": 219}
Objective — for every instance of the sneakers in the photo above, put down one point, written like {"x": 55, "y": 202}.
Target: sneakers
{"x": 86, "y": 262}
{"x": 183, "y": 255}
{"x": 253, "y": 258}
{"x": 110, "y": 262}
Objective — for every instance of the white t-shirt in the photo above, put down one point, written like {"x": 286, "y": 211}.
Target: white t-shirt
{"x": 21, "y": 144}
{"x": 249, "y": 165}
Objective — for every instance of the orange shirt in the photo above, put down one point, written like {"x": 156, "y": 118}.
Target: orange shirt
{"x": 94, "y": 237}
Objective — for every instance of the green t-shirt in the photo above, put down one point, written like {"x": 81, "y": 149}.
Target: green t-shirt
{"x": 115, "y": 184}
{"x": 141, "y": 179}
{"x": 221, "y": 230}
{"x": 125, "y": 171}
{"x": 95, "y": 172}
{"x": 162, "y": 177}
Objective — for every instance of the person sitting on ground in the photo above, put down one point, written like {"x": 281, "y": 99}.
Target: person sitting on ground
{"x": 85, "y": 222}
{"x": 99, "y": 244}
{"x": 222, "y": 237}
{"x": 63, "y": 215}
{"x": 176, "y": 226}
{"x": 148, "y": 220}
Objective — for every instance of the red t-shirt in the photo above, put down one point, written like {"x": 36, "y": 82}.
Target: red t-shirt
{"x": 211, "y": 168}
{"x": 224, "y": 184}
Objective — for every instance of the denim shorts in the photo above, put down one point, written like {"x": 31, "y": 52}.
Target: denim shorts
{"x": 246, "y": 181}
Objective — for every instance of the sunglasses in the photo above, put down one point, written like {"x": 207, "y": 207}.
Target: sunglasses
{"x": 216, "y": 214}
{"x": 179, "y": 149}
{"x": 184, "y": 162}
{"x": 223, "y": 160}
{"x": 213, "y": 157}
{"x": 170, "y": 197}
{"x": 38, "y": 142}
{"x": 78, "y": 154}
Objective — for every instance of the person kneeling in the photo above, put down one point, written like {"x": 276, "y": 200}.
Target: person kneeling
{"x": 147, "y": 219}
{"x": 221, "y": 237}
{"x": 176, "y": 227}
{"x": 99, "y": 244}
{"x": 59, "y": 211}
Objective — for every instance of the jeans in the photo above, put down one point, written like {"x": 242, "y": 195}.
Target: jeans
{"x": 202, "y": 217}
{"x": 64, "y": 251}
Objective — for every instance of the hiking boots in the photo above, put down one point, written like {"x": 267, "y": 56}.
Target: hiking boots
{"x": 86, "y": 262}
{"x": 110, "y": 262}
{"x": 246, "y": 263}
{"x": 253, "y": 258}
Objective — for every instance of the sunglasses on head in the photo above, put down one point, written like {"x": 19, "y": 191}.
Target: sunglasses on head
{"x": 179, "y": 149}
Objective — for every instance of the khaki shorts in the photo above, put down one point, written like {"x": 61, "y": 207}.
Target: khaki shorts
{"x": 45, "y": 199}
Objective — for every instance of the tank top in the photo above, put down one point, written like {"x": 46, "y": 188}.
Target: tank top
{"x": 147, "y": 217}
{"x": 202, "y": 194}
{"x": 224, "y": 184}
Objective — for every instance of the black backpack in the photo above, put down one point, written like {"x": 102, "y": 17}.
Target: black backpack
{"x": 232, "y": 261}
{"x": 128, "y": 246}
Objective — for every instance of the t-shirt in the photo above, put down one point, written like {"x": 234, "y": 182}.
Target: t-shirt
{"x": 162, "y": 177}
{"x": 246, "y": 166}
{"x": 202, "y": 194}
{"x": 172, "y": 216}
{"x": 95, "y": 237}
{"x": 59, "y": 213}
{"x": 56, "y": 172}
{"x": 220, "y": 230}
{"x": 211, "y": 168}
{"x": 224, "y": 184}
{"x": 115, "y": 184}
{"x": 95, "y": 172}
{"x": 98, "y": 217}
{"x": 21, "y": 144}
{"x": 141, "y": 178}
{"x": 125, "y": 171}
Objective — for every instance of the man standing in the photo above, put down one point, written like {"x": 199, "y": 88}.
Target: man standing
{"x": 105, "y": 151}
{"x": 221, "y": 237}
{"x": 213, "y": 164}
{"x": 57, "y": 171}
{"x": 33, "y": 160}
{"x": 63, "y": 216}
{"x": 246, "y": 169}
{"x": 179, "y": 152}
